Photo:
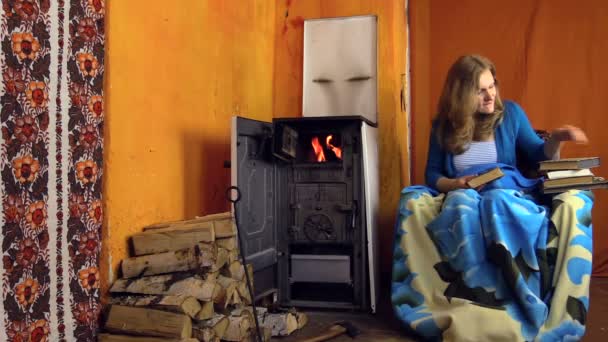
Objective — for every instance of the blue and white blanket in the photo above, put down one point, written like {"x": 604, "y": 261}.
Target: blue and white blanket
{"x": 493, "y": 265}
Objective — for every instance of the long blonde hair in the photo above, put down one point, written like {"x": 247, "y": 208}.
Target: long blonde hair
{"x": 457, "y": 118}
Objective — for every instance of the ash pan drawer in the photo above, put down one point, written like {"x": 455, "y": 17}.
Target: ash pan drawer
{"x": 320, "y": 268}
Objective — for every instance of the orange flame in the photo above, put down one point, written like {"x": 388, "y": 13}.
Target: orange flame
{"x": 337, "y": 151}
{"x": 318, "y": 150}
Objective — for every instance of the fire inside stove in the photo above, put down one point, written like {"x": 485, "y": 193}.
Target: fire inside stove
{"x": 324, "y": 148}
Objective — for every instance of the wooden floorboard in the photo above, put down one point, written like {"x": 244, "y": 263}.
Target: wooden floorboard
{"x": 383, "y": 327}
{"x": 597, "y": 323}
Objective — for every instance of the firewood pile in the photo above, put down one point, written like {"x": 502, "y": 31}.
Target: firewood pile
{"x": 185, "y": 282}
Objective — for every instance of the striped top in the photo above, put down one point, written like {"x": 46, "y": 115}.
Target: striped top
{"x": 479, "y": 152}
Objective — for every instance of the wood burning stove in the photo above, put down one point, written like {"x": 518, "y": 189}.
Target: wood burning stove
{"x": 310, "y": 185}
{"x": 307, "y": 213}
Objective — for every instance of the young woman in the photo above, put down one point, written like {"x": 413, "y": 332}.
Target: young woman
{"x": 490, "y": 264}
{"x": 473, "y": 126}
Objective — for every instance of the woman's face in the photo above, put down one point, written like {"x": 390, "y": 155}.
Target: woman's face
{"x": 486, "y": 94}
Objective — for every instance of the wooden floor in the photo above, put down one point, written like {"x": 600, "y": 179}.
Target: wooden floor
{"x": 383, "y": 327}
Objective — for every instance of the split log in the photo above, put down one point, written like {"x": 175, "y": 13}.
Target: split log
{"x": 205, "y": 218}
{"x": 224, "y": 228}
{"x": 239, "y": 327}
{"x": 218, "y": 324}
{"x": 206, "y": 311}
{"x": 205, "y": 334}
{"x": 216, "y": 216}
{"x": 208, "y": 254}
{"x": 229, "y": 243}
{"x": 148, "y": 322}
{"x": 172, "y": 238}
{"x": 221, "y": 260}
{"x": 223, "y": 224}
{"x": 248, "y": 310}
{"x": 163, "y": 224}
{"x": 171, "y": 284}
{"x": 266, "y": 330}
{"x": 104, "y": 337}
{"x": 242, "y": 289}
{"x": 233, "y": 256}
{"x": 244, "y": 292}
{"x": 235, "y": 270}
{"x": 179, "y": 304}
{"x": 230, "y": 287}
{"x": 201, "y": 255}
{"x": 302, "y": 319}
{"x": 281, "y": 324}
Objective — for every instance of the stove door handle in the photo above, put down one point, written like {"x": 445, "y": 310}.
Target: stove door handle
{"x": 353, "y": 216}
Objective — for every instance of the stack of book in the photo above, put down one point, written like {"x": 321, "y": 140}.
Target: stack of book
{"x": 571, "y": 173}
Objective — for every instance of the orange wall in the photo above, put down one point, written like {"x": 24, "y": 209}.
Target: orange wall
{"x": 394, "y": 166}
{"x": 551, "y": 58}
{"x": 175, "y": 75}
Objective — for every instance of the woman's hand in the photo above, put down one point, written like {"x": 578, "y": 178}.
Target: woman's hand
{"x": 559, "y": 135}
{"x": 461, "y": 183}
{"x": 569, "y": 133}
{"x": 446, "y": 185}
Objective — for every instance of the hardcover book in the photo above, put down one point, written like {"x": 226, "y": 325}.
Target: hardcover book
{"x": 568, "y": 173}
{"x": 485, "y": 178}
{"x": 569, "y": 164}
{"x": 552, "y": 183}
{"x": 597, "y": 183}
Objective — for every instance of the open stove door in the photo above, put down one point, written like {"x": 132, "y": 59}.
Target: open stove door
{"x": 252, "y": 170}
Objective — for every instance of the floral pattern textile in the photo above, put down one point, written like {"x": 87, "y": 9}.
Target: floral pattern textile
{"x": 51, "y": 167}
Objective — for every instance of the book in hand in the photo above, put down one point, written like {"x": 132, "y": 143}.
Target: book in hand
{"x": 596, "y": 183}
{"x": 485, "y": 178}
{"x": 569, "y": 164}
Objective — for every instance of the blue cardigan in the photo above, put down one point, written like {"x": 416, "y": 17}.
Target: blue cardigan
{"x": 514, "y": 132}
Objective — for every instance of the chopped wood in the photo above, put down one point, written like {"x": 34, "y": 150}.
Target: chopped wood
{"x": 229, "y": 243}
{"x": 218, "y": 323}
{"x": 221, "y": 259}
{"x": 266, "y": 333}
{"x": 242, "y": 289}
{"x": 223, "y": 224}
{"x": 208, "y": 254}
{"x": 179, "y": 304}
{"x": 248, "y": 310}
{"x": 104, "y": 337}
{"x": 172, "y": 238}
{"x": 235, "y": 270}
{"x": 224, "y": 228}
{"x": 244, "y": 292}
{"x": 239, "y": 327}
{"x": 217, "y": 216}
{"x": 230, "y": 287}
{"x": 233, "y": 256}
{"x": 164, "y": 224}
{"x": 148, "y": 322}
{"x": 281, "y": 324}
{"x": 205, "y": 218}
{"x": 171, "y": 284}
{"x": 201, "y": 255}
{"x": 302, "y": 319}
{"x": 206, "y": 311}
{"x": 205, "y": 334}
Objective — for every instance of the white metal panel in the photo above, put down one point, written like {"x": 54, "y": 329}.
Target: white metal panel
{"x": 340, "y": 67}
{"x": 369, "y": 140}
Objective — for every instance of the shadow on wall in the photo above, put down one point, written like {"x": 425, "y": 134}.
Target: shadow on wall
{"x": 205, "y": 178}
